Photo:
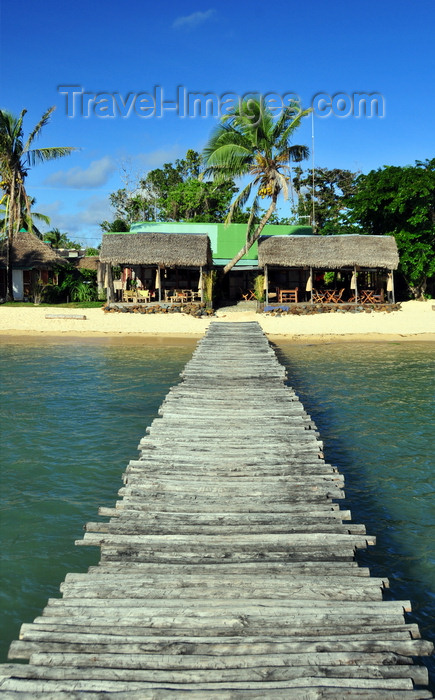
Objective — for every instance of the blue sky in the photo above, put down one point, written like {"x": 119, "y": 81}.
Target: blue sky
{"x": 131, "y": 48}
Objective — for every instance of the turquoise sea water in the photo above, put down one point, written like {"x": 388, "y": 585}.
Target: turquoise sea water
{"x": 72, "y": 413}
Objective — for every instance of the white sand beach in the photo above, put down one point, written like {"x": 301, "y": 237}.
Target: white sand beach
{"x": 414, "y": 321}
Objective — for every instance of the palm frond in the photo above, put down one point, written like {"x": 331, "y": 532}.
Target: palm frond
{"x": 11, "y": 125}
{"x": 41, "y": 217}
{"x": 298, "y": 153}
{"x": 239, "y": 202}
{"x": 224, "y": 135}
{"x": 287, "y": 117}
{"x": 42, "y": 155}
{"x": 227, "y": 162}
{"x": 282, "y": 138}
{"x": 282, "y": 182}
{"x": 40, "y": 125}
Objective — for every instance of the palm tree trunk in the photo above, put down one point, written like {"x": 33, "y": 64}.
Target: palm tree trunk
{"x": 249, "y": 243}
{"x": 10, "y": 237}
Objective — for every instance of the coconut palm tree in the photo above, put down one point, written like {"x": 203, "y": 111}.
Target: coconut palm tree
{"x": 16, "y": 158}
{"x": 57, "y": 238}
{"x": 249, "y": 141}
{"x": 25, "y": 222}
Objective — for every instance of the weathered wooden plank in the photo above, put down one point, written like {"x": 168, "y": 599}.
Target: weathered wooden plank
{"x": 157, "y": 528}
{"x": 144, "y": 554}
{"x": 227, "y": 607}
{"x": 64, "y": 684}
{"x": 155, "y": 693}
{"x": 95, "y": 578}
{"x": 379, "y": 639}
{"x": 236, "y": 483}
{"x": 110, "y": 644}
{"x": 373, "y": 629}
{"x": 304, "y": 676}
{"x": 187, "y": 591}
{"x": 238, "y": 661}
{"x": 238, "y": 542}
{"x": 77, "y": 317}
{"x": 228, "y": 568}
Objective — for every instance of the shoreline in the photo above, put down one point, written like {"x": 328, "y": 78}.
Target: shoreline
{"x": 174, "y": 339}
{"x": 415, "y": 321}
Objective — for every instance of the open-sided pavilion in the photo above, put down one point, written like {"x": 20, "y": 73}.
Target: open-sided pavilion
{"x": 363, "y": 267}
{"x": 158, "y": 262}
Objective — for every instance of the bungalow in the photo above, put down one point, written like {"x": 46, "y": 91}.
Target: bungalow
{"x": 31, "y": 260}
{"x": 158, "y": 262}
{"x": 363, "y": 266}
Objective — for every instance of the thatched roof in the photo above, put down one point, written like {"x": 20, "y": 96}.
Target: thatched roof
{"x": 164, "y": 249}
{"x": 88, "y": 262}
{"x": 29, "y": 252}
{"x": 329, "y": 252}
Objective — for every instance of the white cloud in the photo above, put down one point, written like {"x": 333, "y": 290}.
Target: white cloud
{"x": 193, "y": 21}
{"x": 155, "y": 159}
{"x": 96, "y": 175}
{"x": 83, "y": 224}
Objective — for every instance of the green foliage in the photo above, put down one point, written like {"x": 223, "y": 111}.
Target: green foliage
{"x": 259, "y": 292}
{"x": 174, "y": 192}
{"x": 328, "y": 278}
{"x": 74, "y": 285}
{"x": 60, "y": 240}
{"x": 118, "y": 225}
{"x": 36, "y": 291}
{"x": 62, "y": 305}
{"x": 400, "y": 201}
{"x": 92, "y": 251}
{"x": 332, "y": 188}
{"x": 82, "y": 291}
{"x": 194, "y": 200}
{"x": 53, "y": 294}
{"x": 250, "y": 142}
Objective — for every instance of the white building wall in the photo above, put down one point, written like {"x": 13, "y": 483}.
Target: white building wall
{"x": 18, "y": 284}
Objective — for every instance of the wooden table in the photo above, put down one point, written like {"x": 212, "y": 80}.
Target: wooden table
{"x": 181, "y": 295}
{"x": 328, "y": 296}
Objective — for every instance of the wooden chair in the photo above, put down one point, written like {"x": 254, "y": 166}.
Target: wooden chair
{"x": 334, "y": 297}
{"x": 129, "y": 295}
{"x": 318, "y": 296}
{"x": 143, "y": 294}
{"x": 369, "y": 296}
{"x": 288, "y": 295}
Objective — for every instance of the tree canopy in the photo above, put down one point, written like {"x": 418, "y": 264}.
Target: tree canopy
{"x": 250, "y": 142}
{"x": 59, "y": 239}
{"x": 331, "y": 189}
{"x": 174, "y": 192}
{"x": 400, "y": 201}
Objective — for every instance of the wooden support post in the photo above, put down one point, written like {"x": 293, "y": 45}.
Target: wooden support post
{"x": 266, "y": 283}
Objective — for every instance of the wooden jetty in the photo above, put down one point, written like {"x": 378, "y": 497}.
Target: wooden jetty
{"x": 227, "y": 568}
